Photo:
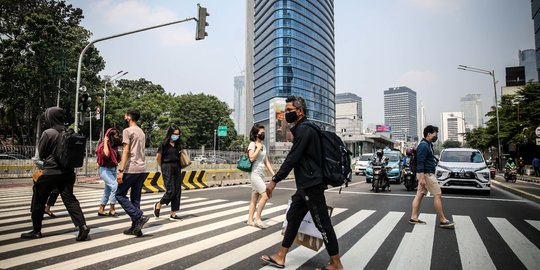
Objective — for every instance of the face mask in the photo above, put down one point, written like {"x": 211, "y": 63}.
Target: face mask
{"x": 290, "y": 117}
{"x": 175, "y": 137}
{"x": 261, "y": 137}
{"x": 434, "y": 139}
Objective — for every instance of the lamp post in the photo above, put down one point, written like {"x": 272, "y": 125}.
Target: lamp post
{"x": 111, "y": 80}
{"x": 492, "y": 74}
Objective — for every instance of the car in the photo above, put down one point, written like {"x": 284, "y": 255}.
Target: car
{"x": 12, "y": 156}
{"x": 393, "y": 167}
{"x": 463, "y": 168}
{"x": 362, "y": 163}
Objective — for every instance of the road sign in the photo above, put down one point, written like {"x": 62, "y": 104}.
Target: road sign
{"x": 537, "y": 131}
{"x": 537, "y": 141}
{"x": 222, "y": 131}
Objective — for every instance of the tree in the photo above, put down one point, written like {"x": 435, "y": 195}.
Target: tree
{"x": 40, "y": 42}
{"x": 479, "y": 138}
{"x": 451, "y": 144}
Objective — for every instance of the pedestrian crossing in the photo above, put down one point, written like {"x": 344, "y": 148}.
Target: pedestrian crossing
{"x": 213, "y": 235}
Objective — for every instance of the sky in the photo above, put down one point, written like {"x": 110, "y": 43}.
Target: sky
{"x": 378, "y": 45}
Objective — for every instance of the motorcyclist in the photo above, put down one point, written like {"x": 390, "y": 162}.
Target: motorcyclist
{"x": 406, "y": 161}
{"x": 380, "y": 160}
{"x": 508, "y": 166}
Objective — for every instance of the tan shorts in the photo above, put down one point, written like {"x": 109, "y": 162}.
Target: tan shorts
{"x": 432, "y": 185}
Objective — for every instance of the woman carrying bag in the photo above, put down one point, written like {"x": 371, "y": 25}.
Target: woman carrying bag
{"x": 168, "y": 158}
{"x": 257, "y": 155}
{"x": 108, "y": 158}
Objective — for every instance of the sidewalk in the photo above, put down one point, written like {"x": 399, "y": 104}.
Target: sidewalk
{"x": 528, "y": 178}
{"x": 527, "y": 187}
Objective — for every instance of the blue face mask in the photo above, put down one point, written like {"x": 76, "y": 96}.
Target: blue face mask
{"x": 175, "y": 137}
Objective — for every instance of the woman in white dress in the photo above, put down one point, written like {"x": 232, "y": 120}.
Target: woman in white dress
{"x": 257, "y": 155}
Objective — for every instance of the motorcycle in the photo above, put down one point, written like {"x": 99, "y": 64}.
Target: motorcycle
{"x": 409, "y": 179}
{"x": 511, "y": 174}
{"x": 380, "y": 178}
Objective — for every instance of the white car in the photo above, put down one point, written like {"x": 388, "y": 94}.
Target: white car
{"x": 463, "y": 168}
{"x": 362, "y": 163}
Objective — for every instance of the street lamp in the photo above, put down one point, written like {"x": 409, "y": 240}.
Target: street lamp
{"x": 111, "y": 80}
{"x": 492, "y": 74}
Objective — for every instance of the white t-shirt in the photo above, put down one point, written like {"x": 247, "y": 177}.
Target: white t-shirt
{"x": 258, "y": 164}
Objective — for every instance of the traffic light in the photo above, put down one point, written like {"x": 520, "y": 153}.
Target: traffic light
{"x": 84, "y": 99}
{"x": 200, "y": 32}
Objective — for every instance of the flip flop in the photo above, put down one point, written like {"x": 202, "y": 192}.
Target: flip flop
{"x": 272, "y": 262}
{"x": 103, "y": 214}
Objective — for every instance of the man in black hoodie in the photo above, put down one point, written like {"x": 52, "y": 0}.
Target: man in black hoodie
{"x": 54, "y": 176}
{"x": 305, "y": 157}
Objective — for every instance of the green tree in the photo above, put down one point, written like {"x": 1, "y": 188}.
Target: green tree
{"x": 40, "y": 42}
{"x": 479, "y": 138}
{"x": 451, "y": 144}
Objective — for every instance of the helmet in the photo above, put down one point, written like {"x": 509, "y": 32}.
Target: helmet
{"x": 509, "y": 159}
{"x": 409, "y": 151}
{"x": 380, "y": 153}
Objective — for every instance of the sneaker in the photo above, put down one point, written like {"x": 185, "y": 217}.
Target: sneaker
{"x": 447, "y": 224}
{"x": 412, "y": 221}
{"x": 140, "y": 223}
{"x": 156, "y": 210}
{"x": 175, "y": 218}
{"x": 131, "y": 232}
{"x": 31, "y": 235}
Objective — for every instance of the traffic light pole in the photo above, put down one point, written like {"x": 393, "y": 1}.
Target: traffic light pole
{"x": 107, "y": 38}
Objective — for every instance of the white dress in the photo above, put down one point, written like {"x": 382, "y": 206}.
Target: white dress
{"x": 257, "y": 174}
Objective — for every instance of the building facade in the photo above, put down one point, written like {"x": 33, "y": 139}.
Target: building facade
{"x": 471, "y": 106}
{"x": 535, "y": 8}
{"x": 453, "y": 126}
{"x": 292, "y": 54}
{"x": 348, "y": 115}
{"x": 250, "y": 48}
{"x": 421, "y": 120}
{"x": 239, "y": 113}
{"x": 400, "y": 113}
{"x": 527, "y": 59}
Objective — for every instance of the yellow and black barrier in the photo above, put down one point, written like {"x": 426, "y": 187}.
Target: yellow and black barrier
{"x": 190, "y": 180}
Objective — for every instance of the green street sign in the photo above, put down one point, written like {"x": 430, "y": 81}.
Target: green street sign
{"x": 222, "y": 131}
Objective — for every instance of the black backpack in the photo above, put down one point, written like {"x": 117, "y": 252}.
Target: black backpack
{"x": 70, "y": 149}
{"x": 336, "y": 160}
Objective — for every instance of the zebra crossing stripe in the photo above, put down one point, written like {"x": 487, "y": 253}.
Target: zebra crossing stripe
{"x": 297, "y": 257}
{"x": 368, "y": 245}
{"x": 472, "y": 252}
{"x": 154, "y": 242}
{"x": 414, "y": 251}
{"x": 104, "y": 241}
{"x": 524, "y": 249}
{"x": 28, "y": 197}
{"x": 534, "y": 223}
{"x": 234, "y": 256}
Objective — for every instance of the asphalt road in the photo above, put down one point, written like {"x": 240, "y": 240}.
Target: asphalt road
{"x": 500, "y": 231}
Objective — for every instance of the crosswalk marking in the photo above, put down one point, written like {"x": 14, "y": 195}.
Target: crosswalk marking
{"x": 362, "y": 252}
{"x": 524, "y": 249}
{"x": 472, "y": 251}
{"x": 534, "y": 223}
{"x": 414, "y": 251}
{"x": 301, "y": 255}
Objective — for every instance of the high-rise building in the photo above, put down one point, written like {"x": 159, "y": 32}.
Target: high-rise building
{"x": 400, "y": 113}
{"x": 471, "y": 106}
{"x": 535, "y": 6}
{"x": 291, "y": 49}
{"x": 527, "y": 58}
{"x": 250, "y": 48}
{"x": 421, "y": 120}
{"x": 453, "y": 126}
{"x": 348, "y": 115}
{"x": 239, "y": 113}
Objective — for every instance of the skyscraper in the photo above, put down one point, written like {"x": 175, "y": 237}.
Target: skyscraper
{"x": 292, "y": 54}
{"x": 250, "y": 48}
{"x": 239, "y": 113}
{"x": 527, "y": 58}
{"x": 348, "y": 114}
{"x": 400, "y": 112}
{"x": 471, "y": 106}
{"x": 535, "y": 8}
{"x": 421, "y": 120}
{"x": 453, "y": 126}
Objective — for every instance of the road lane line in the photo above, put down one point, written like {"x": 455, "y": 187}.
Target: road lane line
{"x": 415, "y": 249}
{"x": 361, "y": 253}
{"x": 534, "y": 223}
{"x": 515, "y": 189}
{"x": 154, "y": 242}
{"x": 236, "y": 255}
{"x": 472, "y": 251}
{"x": 524, "y": 249}
{"x": 301, "y": 254}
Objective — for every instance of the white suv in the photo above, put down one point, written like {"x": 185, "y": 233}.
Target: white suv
{"x": 362, "y": 163}
{"x": 463, "y": 168}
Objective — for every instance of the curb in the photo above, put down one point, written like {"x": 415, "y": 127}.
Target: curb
{"x": 517, "y": 191}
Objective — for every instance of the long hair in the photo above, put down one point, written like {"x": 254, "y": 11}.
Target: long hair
{"x": 115, "y": 137}
{"x": 167, "y": 139}
{"x": 254, "y": 131}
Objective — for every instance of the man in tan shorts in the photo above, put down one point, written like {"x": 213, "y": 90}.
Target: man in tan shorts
{"x": 427, "y": 181}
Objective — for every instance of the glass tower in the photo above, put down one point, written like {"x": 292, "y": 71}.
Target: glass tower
{"x": 294, "y": 55}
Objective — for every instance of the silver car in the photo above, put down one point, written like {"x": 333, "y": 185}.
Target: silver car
{"x": 362, "y": 163}
{"x": 463, "y": 168}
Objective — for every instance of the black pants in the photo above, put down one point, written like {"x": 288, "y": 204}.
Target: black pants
{"x": 132, "y": 182}
{"x": 52, "y": 198}
{"x": 42, "y": 189}
{"x": 311, "y": 199}
{"x": 536, "y": 171}
{"x": 172, "y": 180}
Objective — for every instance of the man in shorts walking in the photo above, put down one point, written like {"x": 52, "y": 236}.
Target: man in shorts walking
{"x": 427, "y": 181}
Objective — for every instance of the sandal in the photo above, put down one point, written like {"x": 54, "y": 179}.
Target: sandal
{"x": 111, "y": 214}
{"x": 271, "y": 261}
{"x": 51, "y": 214}
{"x": 102, "y": 214}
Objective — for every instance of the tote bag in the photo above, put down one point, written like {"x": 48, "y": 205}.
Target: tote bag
{"x": 184, "y": 159}
{"x": 244, "y": 164}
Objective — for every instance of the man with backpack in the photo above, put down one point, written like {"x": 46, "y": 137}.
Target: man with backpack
{"x": 305, "y": 157}
{"x": 55, "y": 176}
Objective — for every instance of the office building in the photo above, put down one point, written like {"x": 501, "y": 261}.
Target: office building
{"x": 535, "y": 8}
{"x": 453, "y": 126}
{"x": 527, "y": 59}
{"x": 471, "y": 106}
{"x": 348, "y": 115}
{"x": 400, "y": 113}
{"x": 421, "y": 120}
{"x": 239, "y": 113}
{"x": 250, "y": 48}
{"x": 290, "y": 51}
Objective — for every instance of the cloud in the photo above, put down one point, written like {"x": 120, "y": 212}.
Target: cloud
{"x": 132, "y": 14}
{"x": 438, "y": 6}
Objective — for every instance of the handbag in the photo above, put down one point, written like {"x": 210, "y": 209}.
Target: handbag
{"x": 184, "y": 159}
{"x": 244, "y": 164}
